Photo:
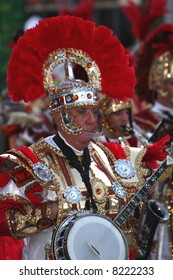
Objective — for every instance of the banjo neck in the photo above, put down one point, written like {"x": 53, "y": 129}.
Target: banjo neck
{"x": 142, "y": 193}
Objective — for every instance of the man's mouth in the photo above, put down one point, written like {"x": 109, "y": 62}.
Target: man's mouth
{"x": 91, "y": 134}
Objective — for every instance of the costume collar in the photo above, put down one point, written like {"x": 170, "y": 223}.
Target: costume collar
{"x": 51, "y": 142}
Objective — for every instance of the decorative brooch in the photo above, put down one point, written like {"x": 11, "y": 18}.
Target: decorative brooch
{"x": 125, "y": 168}
{"x": 118, "y": 190}
{"x": 42, "y": 172}
{"x": 73, "y": 194}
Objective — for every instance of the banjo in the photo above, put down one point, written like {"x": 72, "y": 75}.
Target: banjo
{"x": 87, "y": 236}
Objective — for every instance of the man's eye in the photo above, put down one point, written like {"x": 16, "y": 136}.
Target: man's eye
{"x": 117, "y": 113}
{"x": 81, "y": 112}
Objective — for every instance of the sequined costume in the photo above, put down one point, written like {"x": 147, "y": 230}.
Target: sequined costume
{"x": 25, "y": 187}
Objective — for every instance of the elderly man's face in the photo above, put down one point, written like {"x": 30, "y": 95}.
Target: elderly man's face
{"x": 88, "y": 118}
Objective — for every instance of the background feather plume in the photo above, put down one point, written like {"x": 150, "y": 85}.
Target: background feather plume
{"x": 143, "y": 18}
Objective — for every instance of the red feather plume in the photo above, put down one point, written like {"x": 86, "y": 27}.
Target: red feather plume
{"x": 25, "y": 67}
{"x": 142, "y": 19}
{"x": 116, "y": 149}
{"x": 156, "y": 152}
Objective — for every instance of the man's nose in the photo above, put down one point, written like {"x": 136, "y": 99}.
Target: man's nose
{"x": 124, "y": 116}
{"x": 92, "y": 117}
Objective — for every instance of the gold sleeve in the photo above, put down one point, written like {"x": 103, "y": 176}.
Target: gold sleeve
{"x": 30, "y": 220}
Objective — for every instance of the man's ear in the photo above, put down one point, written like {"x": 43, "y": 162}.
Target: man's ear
{"x": 56, "y": 116}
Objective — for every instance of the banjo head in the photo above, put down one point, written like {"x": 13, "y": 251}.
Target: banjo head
{"x": 89, "y": 237}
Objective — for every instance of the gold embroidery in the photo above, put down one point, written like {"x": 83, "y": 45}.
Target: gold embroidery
{"x": 49, "y": 155}
{"x": 140, "y": 172}
{"x": 110, "y": 156}
{"x": 15, "y": 197}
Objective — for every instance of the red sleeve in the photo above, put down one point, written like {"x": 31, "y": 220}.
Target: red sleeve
{"x": 4, "y": 179}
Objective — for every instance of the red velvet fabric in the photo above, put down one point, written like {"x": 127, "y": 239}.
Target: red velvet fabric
{"x": 10, "y": 248}
{"x": 4, "y": 179}
{"x": 146, "y": 120}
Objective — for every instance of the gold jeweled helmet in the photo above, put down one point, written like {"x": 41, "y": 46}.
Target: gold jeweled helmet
{"x": 45, "y": 59}
{"x": 154, "y": 64}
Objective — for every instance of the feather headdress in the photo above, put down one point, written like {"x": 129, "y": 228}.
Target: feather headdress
{"x": 68, "y": 39}
{"x": 154, "y": 48}
{"x": 143, "y": 18}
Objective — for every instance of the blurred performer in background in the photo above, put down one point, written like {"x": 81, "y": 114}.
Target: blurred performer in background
{"x": 154, "y": 82}
{"x": 70, "y": 177}
{"x": 25, "y": 123}
{"x": 7, "y": 105}
{"x": 10, "y": 247}
{"x": 28, "y": 126}
{"x": 144, "y": 18}
{"x": 118, "y": 123}
{"x": 154, "y": 88}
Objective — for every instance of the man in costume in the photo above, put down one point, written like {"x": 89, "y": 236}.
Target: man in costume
{"x": 67, "y": 178}
{"x": 144, "y": 18}
{"x": 25, "y": 124}
{"x": 117, "y": 117}
{"x": 154, "y": 83}
{"x": 154, "y": 90}
{"x": 28, "y": 126}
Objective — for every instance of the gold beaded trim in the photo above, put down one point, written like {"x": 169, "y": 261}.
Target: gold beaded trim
{"x": 61, "y": 56}
{"x": 52, "y": 154}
